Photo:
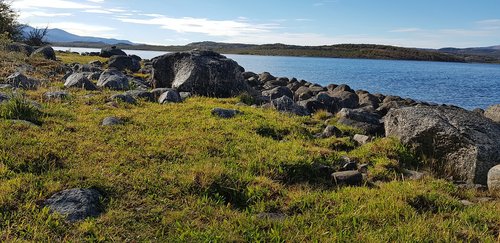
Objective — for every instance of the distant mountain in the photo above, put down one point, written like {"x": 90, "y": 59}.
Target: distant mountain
{"x": 491, "y": 51}
{"x": 62, "y": 36}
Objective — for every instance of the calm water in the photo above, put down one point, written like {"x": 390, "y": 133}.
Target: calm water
{"x": 466, "y": 85}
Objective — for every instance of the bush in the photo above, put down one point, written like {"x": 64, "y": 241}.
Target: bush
{"x": 8, "y": 22}
{"x": 36, "y": 37}
{"x": 19, "y": 108}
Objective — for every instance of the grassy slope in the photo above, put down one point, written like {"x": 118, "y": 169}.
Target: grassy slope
{"x": 176, "y": 173}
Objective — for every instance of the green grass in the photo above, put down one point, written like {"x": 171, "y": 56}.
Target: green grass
{"x": 19, "y": 108}
{"x": 175, "y": 173}
{"x": 72, "y": 58}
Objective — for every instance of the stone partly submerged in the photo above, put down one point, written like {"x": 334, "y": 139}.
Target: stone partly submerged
{"x": 454, "y": 142}
{"x": 203, "y": 73}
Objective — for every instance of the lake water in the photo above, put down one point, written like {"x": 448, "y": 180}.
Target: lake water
{"x": 465, "y": 85}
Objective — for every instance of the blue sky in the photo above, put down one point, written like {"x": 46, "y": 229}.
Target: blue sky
{"x": 410, "y": 23}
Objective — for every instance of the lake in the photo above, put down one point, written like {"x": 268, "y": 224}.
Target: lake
{"x": 466, "y": 85}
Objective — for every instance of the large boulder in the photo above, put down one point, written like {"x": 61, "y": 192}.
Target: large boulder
{"x": 76, "y": 204}
{"x": 369, "y": 122}
{"x": 200, "y": 72}
{"x": 79, "y": 80}
{"x": 170, "y": 96}
{"x": 277, "y": 92}
{"x": 494, "y": 179}
{"x": 455, "y": 142}
{"x": 111, "y": 51}
{"x": 19, "y": 80}
{"x": 124, "y": 62}
{"x": 113, "y": 79}
{"x": 285, "y": 104}
{"x": 46, "y": 52}
{"x": 493, "y": 113}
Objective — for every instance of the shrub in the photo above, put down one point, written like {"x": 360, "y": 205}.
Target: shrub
{"x": 8, "y": 21}
{"x": 20, "y": 108}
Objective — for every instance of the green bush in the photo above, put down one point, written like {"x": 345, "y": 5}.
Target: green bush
{"x": 20, "y": 108}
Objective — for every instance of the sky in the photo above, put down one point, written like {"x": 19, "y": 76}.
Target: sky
{"x": 408, "y": 23}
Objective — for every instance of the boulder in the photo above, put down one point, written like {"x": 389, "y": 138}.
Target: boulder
{"x": 126, "y": 98}
{"x": 111, "y": 121}
{"x": 46, "y": 52}
{"x": 79, "y": 80}
{"x": 454, "y": 141}
{"x": 19, "y": 80}
{"x": 493, "y": 113}
{"x": 141, "y": 94}
{"x": 76, "y": 204}
{"x": 303, "y": 93}
{"x": 265, "y": 77}
{"x": 346, "y": 99}
{"x": 277, "y": 92}
{"x": 225, "y": 113}
{"x": 111, "y": 51}
{"x": 341, "y": 88}
{"x": 362, "y": 139}
{"x": 367, "y": 99}
{"x": 286, "y": 104}
{"x": 203, "y": 73}
{"x": 113, "y": 79}
{"x": 368, "y": 122}
{"x": 124, "y": 62}
{"x": 19, "y": 47}
{"x": 347, "y": 178}
{"x": 494, "y": 179}
{"x": 170, "y": 96}
{"x": 331, "y": 131}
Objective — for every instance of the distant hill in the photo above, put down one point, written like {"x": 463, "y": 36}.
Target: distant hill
{"x": 59, "y": 35}
{"x": 491, "y": 52}
{"x": 363, "y": 51}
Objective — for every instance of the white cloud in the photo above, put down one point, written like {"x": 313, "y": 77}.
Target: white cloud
{"x": 203, "y": 25}
{"x": 97, "y": 11}
{"x": 96, "y": 1}
{"x": 81, "y": 29}
{"x": 27, "y": 14}
{"x": 60, "y": 4}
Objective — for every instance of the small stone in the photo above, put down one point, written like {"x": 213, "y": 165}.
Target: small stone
{"x": 112, "y": 121}
{"x": 362, "y": 139}
{"x": 349, "y": 178}
{"x": 466, "y": 202}
{"x": 331, "y": 131}
{"x": 76, "y": 204}
{"x": 225, "y": 113}
{"x": 170, "y": 96}
{"x": 412, "y": 175}
{"x": 126, "y": 98}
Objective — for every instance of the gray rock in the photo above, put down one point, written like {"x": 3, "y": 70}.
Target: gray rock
{"x": 331, "y": 131}
{"x": 225, "y": 113}
{"x": 185, "y": 95}
{"x": 350, "y": 166}
{"x": 4, "y": 97}
{"x": 113, "y": 79}
{"x": 170, "y": 96}
{"x": 368, "y": 122}
{"x": 6, "y": 86}
{"x": 124, "y": 62}
{"x": 79, "y": 80}
{"x": 346, "y": 99}
{"x": 342, "y": 88}
{"x": 348, "y": 178}
{"x": 303, "y": 93}
{"x": 126, "y": 98}
{"x": 81, "y": 68}
{"x": 141, "y": 94}
{"x": 247, "y": 75}
{"x": 203, "y": 73}
{"x": 494, "y": 179}
{"x": 19, "y": 80}
{"x": 112, "y": 121}
{"x": 362, "y": 139}
{"x": 285, "y": 104}
{"x": 112, "y": 51}
{"x": 46, "y": 52}
{"x": 265, "y": 77}
{"x": 367, "y": 99}
{"x": 412, "y": 175}
{"x": 493, "y": 113}
{"x": 456, "y": 142}
{"x": 55, "y": 95}
{"x": 76, "y": 204}
{"x": 25, "y": 123}
{"x": 277, "y": 92}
